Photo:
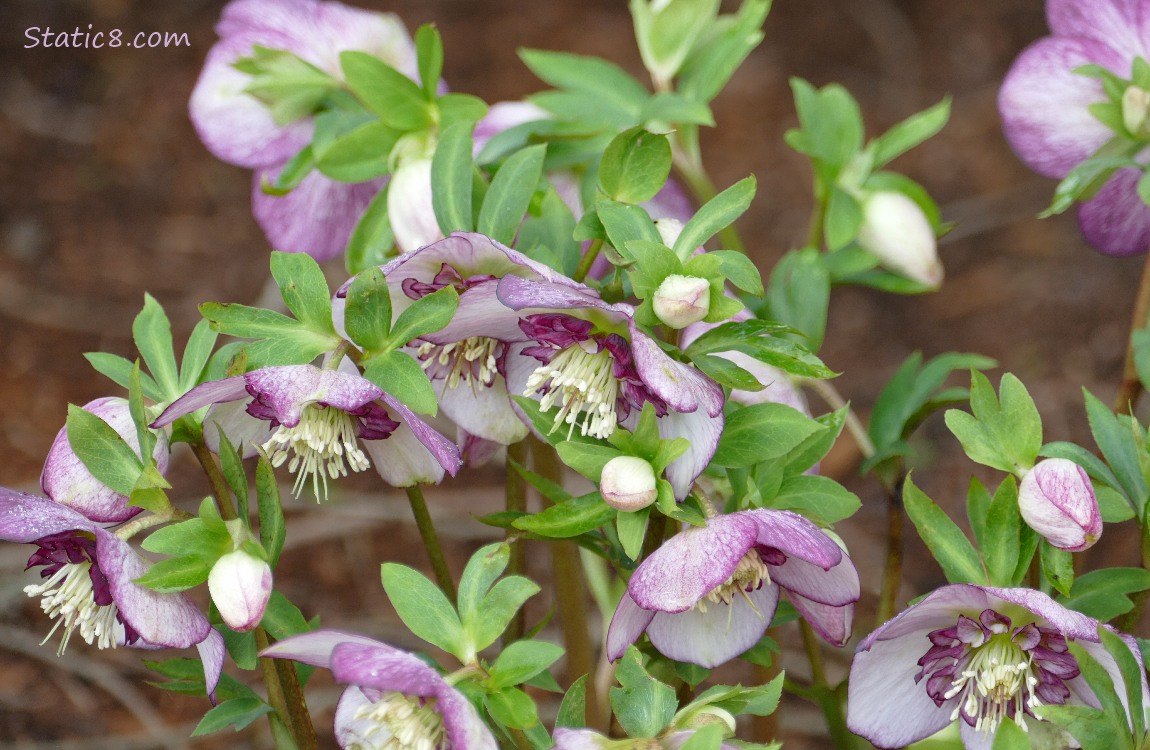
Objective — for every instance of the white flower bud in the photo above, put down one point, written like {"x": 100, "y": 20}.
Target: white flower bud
{"x": 628, "y": 483}
{"x": 709, "y": 715}
{"x": 409, "y": 204}
{"x": 240, "y": 586}
{"x": 682, "y": 300}
{"x": 669, "y": 230}
{"x": 1057, "y": 500}
{"x": 896, "y": 231}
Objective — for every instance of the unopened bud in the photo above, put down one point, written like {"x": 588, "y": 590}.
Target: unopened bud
{"x": 628, "y": 483}
{"x": 708, "y": 715}
{"x": 896, "y": 231}
{"x": 669, "y": 230}
{"x": 240, "y": 586}
{"x": 682, "y": 300}
{"x": 1135, "y": 108}
{"x": 409, "y": 206}
{"x": 1057, "y": 500}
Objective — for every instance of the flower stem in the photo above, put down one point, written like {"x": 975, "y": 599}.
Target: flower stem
{"x": 515, "y": 501}
{"x": 588, "y": 259}
{"x": 220, "y": 489}
{"x": 892, "y": 568}
{"x": 431, "y": 541}
{"x": 285, "y": 695}
{"x": 822, "y": 693}
{"x": 1131, "y": 386}
{"x": 691, "y": 169}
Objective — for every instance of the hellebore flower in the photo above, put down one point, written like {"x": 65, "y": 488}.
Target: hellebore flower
{"x": 1045, "y": 110}
{"x": 318, "y": 418}
{"x": 589, "y": 359}
{"x": 466, "y": 359}
{"x": 66, "y": 480}
{"x": 318, "y": 216}
{"x": 394, "y": 698}
{"x": 240, "y": 585}
{"x": 979, "y": 654}
{"x": 88, "y": 586}
{"x": 628, "y": 483}
{"x": 896, "y": 231}
{"x": 1057, "y": 500}
{"x": 709, "y": 593}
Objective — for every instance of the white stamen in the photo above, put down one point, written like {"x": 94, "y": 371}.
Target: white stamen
{"x": 322, "y": 445}
{"x": 400, "y": 722}
{"x": 69, "y": 600}
{"x": 998, "y": 680}
{"x": 749, "y": 575}
{"x": 470, "y": 361}
{"x": 582, "y": 380}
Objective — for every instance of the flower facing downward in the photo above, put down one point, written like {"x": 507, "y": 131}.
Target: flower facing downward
{"x": 971, "y": 653}
{"x": 394, "y": 700}
{"x": 314, "y": 420}
{"x": 1057, "y": 500}
{"x": 709, "y": 593}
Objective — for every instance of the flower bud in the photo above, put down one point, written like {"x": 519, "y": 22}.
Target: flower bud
{"x": 682, "y": 300}
{"x": 708, "y": 715}
{"x": 1057, "y": 500}
{"x": 669, "y": 230}
{"x": 409, "y": 205}
{"x": 240, "y": 586}
{"x": 896, "y": 231}
{"x": 628, "y": 483}
{"x": 1135, "y": 109}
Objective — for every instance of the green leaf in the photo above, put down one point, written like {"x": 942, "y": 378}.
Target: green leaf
{"x": 401, "y": 375}
{"x": 304, "y": 290}
{"x": 498, "y": 607}
{"x": 1133, "y": 676}
{"x": 1010, "y": 736}
{"x": 484, "y": 567}
{"x": 175, "y": 574}
{"x": 153, "y": 336}
{"x": 831, "y": 125}
{"x": 395, "y": 98}
{"x": 819, "y": 498}
{"x": 572, "y": 518}
{"x": 197, "y": 353}
{"x": 451, "y": 169}
{"x": 232, "y": 465}
{"x": 1093, "y": 728}
{"x": 425, "y": 610}
{"x": 290, "y": 175}
{"x": 1005, "y": 432}
{"x": 750, "y": 337}
{"x": 1000, "y": 550}
{"x": 521, "y": 661}
{"x": 352, "y": 149}
{"x": 612, "y": 86}
{"x": 239, "y": 712}
{"x": 740, "y": 271}
{"x": 119, "y": 370}
{"x": 709, "y": 66}
{"x": 843, "y": 218}
{"x": 632, "y": 531}
{"x": 635, "y": 165}
{"x": 726, "y": 373}
{"x": 1119, "y": 449}
{"x": 371, "y": 238}
{"x": 762, "y": 432}
{"x": 586, "y": 458}
{"x": 510, "y": 193}
{"x": 102, "y": 451}
{"x": 283, "y": 619}
{"x": 910, "y": 132}
{"x": 642, "y": 705}
{"x": 625, "y": 223}
{"x": 512, "y": 708}
{"x": 715, "y": 215}
{"x": 1058, "y": 567}
{"x": 1104, "y": 594}
{"x": 367, "y": 316}
{"x": 273, "y": 530}
{"x": 425, "y": 315}
{"x": 429, "y": 54}
{"x": 942, "y": 537}
{"x": 573, "y": 708}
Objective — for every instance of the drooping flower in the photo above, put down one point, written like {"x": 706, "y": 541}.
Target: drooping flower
{"x": 466, "y": 359}
{"x": 240, "y": 585}
{"x": 709, "y": 593}
{"x": 1057, "y": 500}
{"x": 1045, "y": 110}
{"x": 66, "y": 480}
{"x": 317, "y": 217}
{"x": 394, "y": 699}
{"x": 316, "y": 421}
{"x": 975, "y": 654}
{"x": 589, "y": 362}
{"x": 88, "y": 584}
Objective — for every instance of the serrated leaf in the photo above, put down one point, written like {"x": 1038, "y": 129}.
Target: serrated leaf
{"x": 395, "y": 98}
{"x": 273, "y": 530}
{"x": 304, "y": 290}
{"x": 399, "y": 374}
{"x": 239, "y": 712}
{"x": 715, "y": 215}
{"x": 642, "y": 704}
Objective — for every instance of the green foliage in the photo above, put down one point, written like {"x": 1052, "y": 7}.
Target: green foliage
{"x": 762, "y": 432}
{"x": 1105, "y": 594}
{"x": 451, "y": 171}
{"x": 635, "y": 165}
{"x": 715, "y": 215}
{"x": 103, "y": 452}
{"x": 425, "y": 610}
{"x": 1004, "y": 434}
{"x": 946, "y": 542}
{"x": 510, "y": 194}
{"x": 290, "y": 87}
{"x": 487, "y": 602}
{"x": 642, "y": 704}
{"x": 393, "y": 97}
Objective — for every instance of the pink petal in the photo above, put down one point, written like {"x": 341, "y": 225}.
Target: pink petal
{"x": 703, "y": 432}
{"x": 683, "y": 387}
{"x": 483, "y": 412}
{"x": 25, "y": 518}
{"x": 212, "y": 651}
{"x": 214, "y": 392}
{"x": 832, "y": 623}
{"x": 1116, "y": 221}
{"x": 316, "y": 218}
{"x": 382, "y": 667}
{"x": 1121, "y": 24}
{"x": 316, "y": 647}
{"x": 718, "y": 635}
{"x": 627, "y": 624}
{"x": 795, "y": 536}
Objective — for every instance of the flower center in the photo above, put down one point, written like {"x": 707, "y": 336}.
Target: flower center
{"x": 322, "y": 445}
{"x": 472, "y": 361}
{"x": 68, "y": 599}
{"x": 997, "y": 683}
{"x": 401, "y": 722}
{"x": 581, "y": 380}
{"x": 749, "y": 575}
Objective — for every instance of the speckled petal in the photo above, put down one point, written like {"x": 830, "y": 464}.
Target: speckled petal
{"x": 25, "y": 518}
{"x": 1071, "y": 624}
{"x": 691, "y": 563}
{"x": 243, "y": 431}
{"x": 214, "y": 392}
{"x": 832, "y": 623}
{"x": 795, "y": 536}
{"x": 464, "y": 727}
{"x": 627, "y": 624}
{"x": 1116, "y": 221}
{"x": 1122, "y": 24}
{"x": 316, "y": 218}
{"x": 289, "y": 388}
{"x": 562, "y": 294}
{"x": 483, "y": 412}
{"x": 684, "y": 388}
{"x": 315, "y": 648}
{"x": 703, "y": 432}
{"x": 718, "y": 635}
{"x": 837, "y": 586}
{"x": 382, "y": 667}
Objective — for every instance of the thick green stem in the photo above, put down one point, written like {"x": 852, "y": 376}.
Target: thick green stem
{"x": 285, "y": 695}
{"x": 1131, "y": 386}
{"x": 431, "y": 541}
{"x": 588, "y": 259}
{"x": 515, "y": 489}
{"x": 892, "y": 568}
{"x": 220, "y": 489}
{"x": 821, "y": 692}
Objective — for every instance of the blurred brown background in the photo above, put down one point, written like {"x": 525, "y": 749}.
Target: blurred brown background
{"x": 107, "y": 194}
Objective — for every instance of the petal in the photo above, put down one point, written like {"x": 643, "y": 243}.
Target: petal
{"x": 316, "y": 218}
{"x": 415, "y": 453}
{"x": 464, "y": 727}
{"x": 243, "y": 431}
{"x": 286, "y": 390}
{"x": 1043, "y": 104}
{"x": 1071, "y": 624}
{"x": 683, "y": 387}
{"x": 836, "y": 587}
{"x": 579, "y": 739}
{"x": 316, "y": 647}
{"x": 691, "y": 563}
{"x": 212, "y": 650}
{"x": 940, "y": 609}
{"x": 161, "y": 619}
{"x": 884, "y": 703}
{"x": 1116, "y": 221}
{"x": 560, "y": 294}
{"x": 671, "y": 202}
{"x": 832, "y": 623}
{"x": 25, "y": 518}
{"x": 351, "y": 731}
{"x": 214, "y": 392}
{"x": 703, "y": 433}
{"x": 480, "y": 313}
{"x": 368, "y": 665}
{"x": 718, "y": 635}
{"x": 974, "y": 739}
{"x": 627, "y": 624}
{"x": 796, "y": 537}
{"x": 484, "y": 412}
{"x": 1119, "y": 23}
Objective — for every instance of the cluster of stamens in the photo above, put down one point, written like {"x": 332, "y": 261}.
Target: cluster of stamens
{"x": 401, "y": 722}
{"x": 581, "y": 380}
{"x": 472, "y": 361}
{"x": 323, "y": 445}
{"x": 749, "y": 575}
{"x": 68, "y": 598}
{"x": 996, "y": 683}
